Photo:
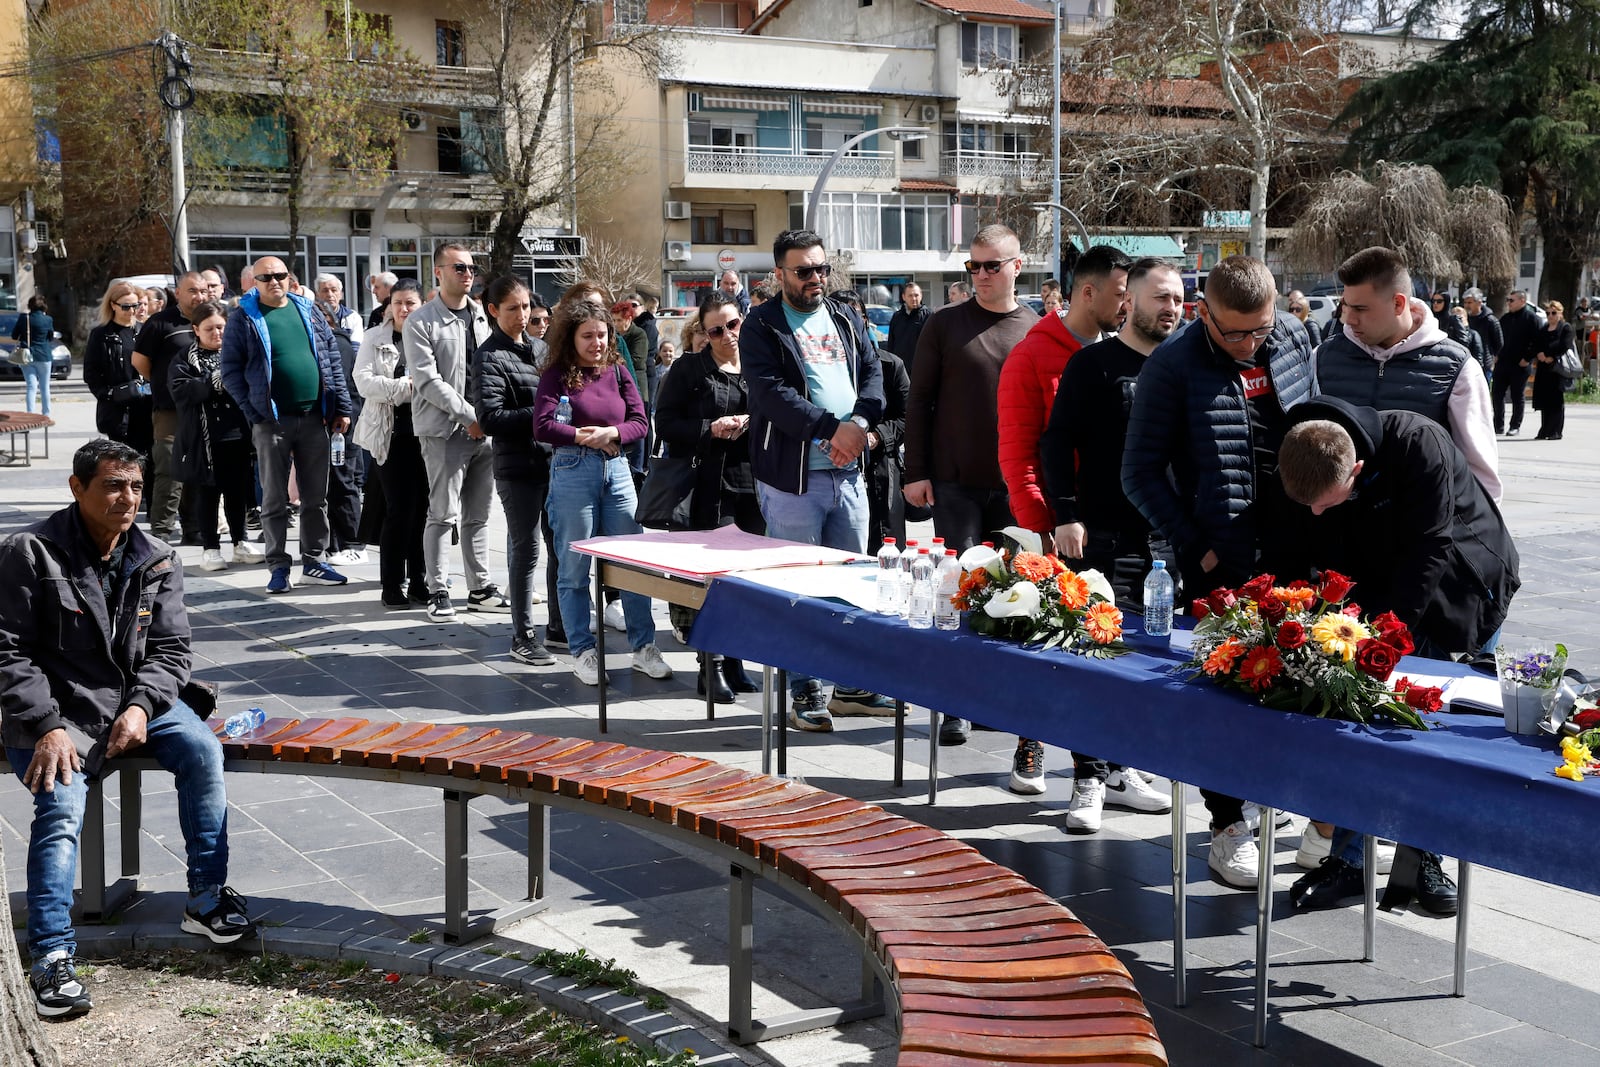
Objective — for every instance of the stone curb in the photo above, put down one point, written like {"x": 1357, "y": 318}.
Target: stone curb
{"x": 622, "y": 1015}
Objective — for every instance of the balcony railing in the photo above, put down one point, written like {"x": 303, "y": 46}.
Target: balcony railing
{"x": 243, "y": 71}
{"x": 770, "y": 163}
{"x": 1010, "y": 166}
{"x": 360, "y": 188}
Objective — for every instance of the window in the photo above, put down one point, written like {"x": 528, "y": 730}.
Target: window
{"x": 1529, "y": 267}
{"x": 826, "y": 135}
{"x": 912, "y": 149}
{"x": 721, "y": 135}
{"x": 984, "y": 44}
{"x": 450, "y": 155}
{"x": 716, "y": 225}
{"x": 450, "y": 44}
{"x": 886, "y": 222}
{"x": 716, "y": 16}
{"x": 630, "y": 12}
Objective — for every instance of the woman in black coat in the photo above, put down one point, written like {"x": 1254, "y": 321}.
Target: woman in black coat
{"x": 1549, "y": 388}
{"x": 122, "y": 408}
{"x": 703, "y": 411}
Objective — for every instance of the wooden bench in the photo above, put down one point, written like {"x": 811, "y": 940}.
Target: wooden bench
{"x": 981, "y": 966}
{"x": 13, "y": 423}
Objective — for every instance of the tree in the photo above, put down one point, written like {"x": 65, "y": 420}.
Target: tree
{"x": 1513, "y": 101}
{"x": 22, "y": 1038}
{"x": 617, "y": 268}
{"x": 539, "y": 155}
{"x": 1445, "y": 234}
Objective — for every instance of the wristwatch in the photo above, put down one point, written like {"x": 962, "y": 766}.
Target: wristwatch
{"x": 861, "y": 422}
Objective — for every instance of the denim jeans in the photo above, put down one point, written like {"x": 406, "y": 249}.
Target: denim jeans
{"x": 182, "y": 744}
{"x": 523, "y": 503}
{"x": 591, "y": 495}
{"x": 832, "y": 512}
{"x": 301, "y": 440}
{"x": 37, "y": 377}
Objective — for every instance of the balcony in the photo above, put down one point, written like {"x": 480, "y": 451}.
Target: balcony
{"x": 235, "y": 72}
{"x": 346, "y": 190}
{"x": 739, "y": 162}
{"x": 1009, "y": 167}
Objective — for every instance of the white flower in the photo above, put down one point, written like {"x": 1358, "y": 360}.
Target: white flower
{"x": 1027, "y": 540}
{"x": 1018, "y": 602}
{"x": 982, "y": 557}
{"x": 1098, "y": 584}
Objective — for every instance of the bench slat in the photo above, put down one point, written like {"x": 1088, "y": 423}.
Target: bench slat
{"x": 525, "y": 747}
{"x": 257, "y": 746}
{"x": 1088, "y": 1048}
{"x": 646, "y": 767}
{"x": 414, "y": 759}
{"x": 298, "y": 749}
{"x": 333, "y": 751}
{"x": 387, "y": 755}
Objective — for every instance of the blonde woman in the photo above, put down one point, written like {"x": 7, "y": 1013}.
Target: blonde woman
{"x": 122, "y": 408}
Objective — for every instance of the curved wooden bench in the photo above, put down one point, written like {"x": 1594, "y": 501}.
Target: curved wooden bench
{"x": 984, "y": 967}
{"x": 13, "y": 423}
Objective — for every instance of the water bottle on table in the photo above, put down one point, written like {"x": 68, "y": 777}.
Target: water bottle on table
{"x": 244, "y": 722}
{"x": 907, "y": 558}
{"x": 888, "y": 578}
{"x": 564, "y": 411}
{"x": 1158, "y": 601}
{"x": 336, "y": 449}
{"x": 920, "y": 612}
{"x": 947, "y": 582}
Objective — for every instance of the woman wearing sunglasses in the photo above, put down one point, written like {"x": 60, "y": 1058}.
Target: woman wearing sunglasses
{"x": 122, "y": 409}
{"x": 704, "y": 412}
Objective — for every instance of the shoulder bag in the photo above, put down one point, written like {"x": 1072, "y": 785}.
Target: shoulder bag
{"x": 22, "y": 351}
{"x": 1569, "y": 366}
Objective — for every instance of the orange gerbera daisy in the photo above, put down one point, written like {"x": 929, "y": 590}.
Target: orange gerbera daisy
{"x": 1032, "y": 566}
{"x": 1223, "y": 657}
{"x": 1103, "y": 623}
{"x": 1298, "y": 598}
{"x": 1073, "y": 589}
{"x": 972, "y": 583}
{"x": 1260, "y": 667}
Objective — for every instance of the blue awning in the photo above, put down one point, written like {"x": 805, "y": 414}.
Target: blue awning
{"x": 1139, "y": 246}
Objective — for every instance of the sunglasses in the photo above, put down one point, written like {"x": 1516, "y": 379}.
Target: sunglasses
{"x": 537, "y": 319}
{"x": 464, "y": 268}
{"x": 280, "y": 276}
{"x": 991, "y": 266}
{"x": 127, "y": 307}
{"x": 714, "y": 332}
{"x": 805, "y": 274}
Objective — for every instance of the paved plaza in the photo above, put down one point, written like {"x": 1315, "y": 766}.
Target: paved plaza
{"x": 358, "y": 857}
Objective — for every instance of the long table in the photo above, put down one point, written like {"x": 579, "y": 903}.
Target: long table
{"x": 1466, "y": 788}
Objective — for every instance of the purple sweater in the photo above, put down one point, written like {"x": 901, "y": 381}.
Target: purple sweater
{"x": 598, "y": 401}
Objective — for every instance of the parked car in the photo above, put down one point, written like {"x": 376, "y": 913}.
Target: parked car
{"x": 61, "y": 362}
{"x": 1321, "y": 308}
{"x": 878, "y": 316}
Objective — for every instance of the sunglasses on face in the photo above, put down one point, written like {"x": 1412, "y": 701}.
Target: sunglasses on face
{"x": 715, "y": 332}
{"x": 127, "y": 307}
{"x": 538, "y": 320}
{"x": 805, "y": 274}
{"x": 989, "y": 266}
{"x": 464, "y": 268}
{"x": 279, "y": 277}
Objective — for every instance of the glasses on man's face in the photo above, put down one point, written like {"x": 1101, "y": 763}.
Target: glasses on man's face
{"x": 127, "y": 307}
{"x": 1233, "y": 337}
{"x": 805, "y": 274}
{"x": 277, "y": 278}
{"x": 988, "y": 266}
{"x": 464, "y": 268}
{"x": 715, "y": 332}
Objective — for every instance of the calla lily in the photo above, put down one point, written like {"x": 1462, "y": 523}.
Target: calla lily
{"x": 1018, "y": 602}
{"x": 1098, "y": 584}
{"x": 982, "y": 557}
{"x": 1027, "y": 540}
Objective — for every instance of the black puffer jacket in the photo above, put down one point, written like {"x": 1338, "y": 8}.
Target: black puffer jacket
{"x": 1189, "y": 465}
{"x": 1419, "y": 535}
{"x": 207, "y": 416}
{"x": 507, "y": 378}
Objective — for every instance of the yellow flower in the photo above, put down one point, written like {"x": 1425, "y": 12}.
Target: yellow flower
{"x": 1575, "y": 751}
{"x": 1570, "y": 770}
{"x": 1339, "y": 634}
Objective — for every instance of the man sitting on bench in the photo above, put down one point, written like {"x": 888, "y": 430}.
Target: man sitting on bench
{"x": 94, "y": 649}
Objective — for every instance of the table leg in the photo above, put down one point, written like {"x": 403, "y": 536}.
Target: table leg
{"x": 1369, "y": 889}
{"x": 1463, "y": 896}
{"x": 600, "y": 634}
{"x": 768, "y": 700}
{"x": 780, "y": 695}
{"x": 1180, "y": 897}
{"x": 1269, "y": 820}
{"x": 899, "y": 743}
{"x": 933, "y": 757}
{"x": 711, "y": 706}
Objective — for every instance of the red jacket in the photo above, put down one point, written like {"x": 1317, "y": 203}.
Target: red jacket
{"x": 1027, "y": 391}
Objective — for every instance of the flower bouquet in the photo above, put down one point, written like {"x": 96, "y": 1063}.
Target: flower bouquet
{"x": 1300, "y": 647}
{"x": 1528, "y": 680}
{"x": 1024, "y": 595}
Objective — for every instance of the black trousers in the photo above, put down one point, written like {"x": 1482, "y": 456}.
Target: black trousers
{"x": 344, "y": 502}
{"x": 405, "y": 494}
{"x": 1512, "y": 382}
{"x": 965, "y": 517}
{"x": 234, "y": 487}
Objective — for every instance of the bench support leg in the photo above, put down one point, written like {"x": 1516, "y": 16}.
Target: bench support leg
{"x": 99, "y": 900}
{"x": 538, "y": 851}
{"x": 459, "y": 925}
{"x": 741, "y": 966}
{"x": 1180, "y": 901}
{"x": 1269, "y": 819}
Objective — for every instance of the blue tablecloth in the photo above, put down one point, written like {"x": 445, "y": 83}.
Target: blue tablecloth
{"x": 1465, "y": 789}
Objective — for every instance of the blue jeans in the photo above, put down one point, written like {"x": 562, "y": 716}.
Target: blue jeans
{"x": 592, "y": 496}
{"x": 37, "y": 377}
{"x": 832, "y": 512}
{"x": 182, "y": 744}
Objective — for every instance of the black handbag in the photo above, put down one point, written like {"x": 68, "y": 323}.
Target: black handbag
{"x": 666, "y": 499}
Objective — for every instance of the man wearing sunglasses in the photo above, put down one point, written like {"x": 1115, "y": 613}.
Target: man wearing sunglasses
{"x": 440, "y": 340}
{"x": 952, "y": 419}
{"x": 280, "y": 365}
{"x": 816, "y": 387}
{"x": 1201, "y": 463}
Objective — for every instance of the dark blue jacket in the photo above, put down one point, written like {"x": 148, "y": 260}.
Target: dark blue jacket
{"x": 247, "y": 361}
{"x": 1189, "y": 464}
{"x": 783, "y": 420}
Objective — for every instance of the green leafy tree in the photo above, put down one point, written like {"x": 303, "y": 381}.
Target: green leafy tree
{"x": 1513, "y": 102}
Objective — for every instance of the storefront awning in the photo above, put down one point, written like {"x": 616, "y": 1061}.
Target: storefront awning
{"x": 1159, "y": 246}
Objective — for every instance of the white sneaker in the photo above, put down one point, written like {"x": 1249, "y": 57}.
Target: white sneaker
{"x": 1314, "y": 847}
{"x": 1234, "y": 856}
{"x": 211, "y": 560}
{"x": 586, "y": 667}
{"x": 1088, "y": 798}
{"x": 614, "y": 617}
{"x": 1252, "y": 817}
{"x": 248, "y": 552}
{"x": 1128, "y": 788}
{"x": 647, "y": 660}
{"x": 349, "y": 557}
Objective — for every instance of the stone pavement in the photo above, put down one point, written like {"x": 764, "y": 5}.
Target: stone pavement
{"x": 363, "y": 858}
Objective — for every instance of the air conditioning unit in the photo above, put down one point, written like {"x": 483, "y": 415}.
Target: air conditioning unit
{"x": 360, "y": 222}
{"x": 415, "y": 120}
{"x": 928, "y": 113}
{"x": 679, "y": 251}
{"x": 677, "y": 209}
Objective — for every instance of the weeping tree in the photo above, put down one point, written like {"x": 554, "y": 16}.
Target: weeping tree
{"x": 1446, "y": 234}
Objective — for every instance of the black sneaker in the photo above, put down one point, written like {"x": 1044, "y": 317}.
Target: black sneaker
{"x": 554, "y": 638}
{"x": 809, "y": 711}
{"x": 530, "y": 650}
{"x": 219, "y": 915}
{"x": 1332, "y": 885}
{"x": 953, "y": 730}
{"x": 252, "y": 519}
{"x": 417, "y": 593}
{"x": 57, "y": 993}
{"x": 1027, "y": 769}
{"x": 489, "y": 598}
{"x": 1436, "y": 893}
{"x": 440, "y": 609}
{"x": 396, "y": 598}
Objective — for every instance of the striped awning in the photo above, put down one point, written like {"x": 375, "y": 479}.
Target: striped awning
{"x": 744, "y": 103}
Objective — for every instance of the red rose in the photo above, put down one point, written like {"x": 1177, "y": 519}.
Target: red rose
{"x": 1291, "y": 635}
{"x": 1221, "y": 600}
{"x": 1402, "y": 686}
{"x": 1199, "y": 609}
{"x": 1299, "y": 583}
{"x": 1335, "y": 587}
{"x": 1376, "y": 657}
{"x": 1587, "y": 720}
{"x": 1257, "y": 587}
{"x": 1387, "y": 623}
{"x": 1424, "y": 698}
{"x": 1395, "y": 632}
{"x": 1273, "y": 609}
{"x": 1353, "y": 610}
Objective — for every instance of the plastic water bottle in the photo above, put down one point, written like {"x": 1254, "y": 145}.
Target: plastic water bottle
{"x": 908, "y": 556}
{"x": 564, "y": 411}
{"x": 244, "y": 722}
{"x": 921, "y": 610}
{"x": 336, "y": 449}
{"x": 945, "y": 614}
{"x": 1158, "y": 601}
{"x": 888, "y": 578}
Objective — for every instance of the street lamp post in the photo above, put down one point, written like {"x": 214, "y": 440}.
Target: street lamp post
{"x": 898, "y": 133}
{"x": 1083, "y": 231}
{"x": 1055, "y": 150}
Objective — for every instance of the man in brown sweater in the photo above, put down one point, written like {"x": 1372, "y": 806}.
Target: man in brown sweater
{"x": 952, "y": 422}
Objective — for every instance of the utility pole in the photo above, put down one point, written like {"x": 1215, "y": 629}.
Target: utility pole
{"x": 1055, "y": 154}
{"x": 177, "y": 94}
